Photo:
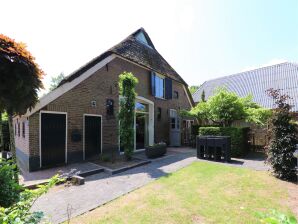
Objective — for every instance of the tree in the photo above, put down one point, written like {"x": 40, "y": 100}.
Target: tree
{"x": 20, "y": 80}
{"x": 225, "y": 107}
{"x": 203, "y": 96}
{"x": 56, "y": 80}
{"x": 283, "y": 137}
{"x": 127, "y": 83}
{"x": 193, "y": 89}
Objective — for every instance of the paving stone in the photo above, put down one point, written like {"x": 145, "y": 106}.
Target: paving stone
{"x": 103, "y": 187}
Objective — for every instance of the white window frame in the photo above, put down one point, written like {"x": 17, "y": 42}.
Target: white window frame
{"x": 164, "y": 85}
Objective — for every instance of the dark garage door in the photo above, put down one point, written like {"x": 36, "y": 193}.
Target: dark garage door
{"x": 53, "y": 133}
{"x": 92, "y": 136}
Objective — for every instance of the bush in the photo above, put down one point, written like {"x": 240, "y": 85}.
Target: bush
{"x": 239, "y": 137}
{"x": 9, "y": 187}
{"x": 19, "y": 212}
{"x": 275, "y": 217}
{"x": 283, "y": 138}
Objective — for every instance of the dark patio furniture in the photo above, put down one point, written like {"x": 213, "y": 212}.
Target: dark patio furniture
{"x": 214, "y": 147}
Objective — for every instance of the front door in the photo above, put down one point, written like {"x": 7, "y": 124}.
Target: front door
{"x": 92, "y": 142}
{"x": 53, "y": 139}
{"x": 175, "y": 136}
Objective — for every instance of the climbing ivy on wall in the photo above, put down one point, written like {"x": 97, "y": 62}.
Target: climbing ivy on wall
{"x": 127, "y": 83}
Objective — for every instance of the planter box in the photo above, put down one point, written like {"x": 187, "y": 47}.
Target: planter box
{"x": 155, "y": 151}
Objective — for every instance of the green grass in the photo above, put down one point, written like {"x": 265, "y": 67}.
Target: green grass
{"x": 200, "y": 193}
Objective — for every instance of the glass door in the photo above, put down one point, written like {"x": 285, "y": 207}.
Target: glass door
{"x": 141, "y": 125}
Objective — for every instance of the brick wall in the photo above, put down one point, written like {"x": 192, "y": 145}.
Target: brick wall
{"x": 101, "y": 86}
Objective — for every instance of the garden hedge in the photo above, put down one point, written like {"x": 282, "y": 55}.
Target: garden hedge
{"x": 239, "y": 137}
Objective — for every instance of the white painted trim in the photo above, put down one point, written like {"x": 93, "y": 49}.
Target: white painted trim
{"x": 150, "y": 119}
{"x": 91, "y": 115}
{"x": 66, "y": 132}
{"x": 187, "y": 96}
{"x": 51, "y": 96}
{"x": 150, "y": 103}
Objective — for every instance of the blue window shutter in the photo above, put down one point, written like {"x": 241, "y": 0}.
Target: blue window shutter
{"x": 168, "y": 90}
{"x": 152, "y": 83}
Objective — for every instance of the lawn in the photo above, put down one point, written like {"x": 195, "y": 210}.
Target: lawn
{"x": 200, "y": 193}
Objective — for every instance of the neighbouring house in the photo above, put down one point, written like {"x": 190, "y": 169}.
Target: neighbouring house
{"x": 78, "y": 120}
{"x": 282, "y": 76}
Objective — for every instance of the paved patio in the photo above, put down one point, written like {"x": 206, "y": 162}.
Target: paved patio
{"x": 64, "y": 202}
{"x": 32, "y": 178}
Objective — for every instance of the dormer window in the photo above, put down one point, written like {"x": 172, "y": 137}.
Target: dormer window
{"x": 140, "y": 36}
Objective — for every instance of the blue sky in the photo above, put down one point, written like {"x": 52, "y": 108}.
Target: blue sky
{"x": 202, "y": 40}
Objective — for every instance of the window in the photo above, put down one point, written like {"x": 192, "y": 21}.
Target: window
{"x": 158, "y": 113}
{"x": 176, "y": 95}
{"x": 110, "y": 107}
{"x": 23, "y": 129}
{"x": 159, "y": 86}
{"x": 140, "y": 107}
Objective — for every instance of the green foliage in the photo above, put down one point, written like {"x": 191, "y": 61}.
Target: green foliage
{"x": 56, "y": 80}
{"x": 19, "y": 212}
{"x": 193, "y": 89}
{"x": 239, "y": 137}
{"x": 127, "y": 83}
{"x": 4, "y": 135}
{"x": 225, "y": 107}
{"x": 9, "y": 188}
{"x": 20, "y": 77}
{"x": 275, "y": 217}
{"x": 283, "y": 138}
{"x": 203, "y": 99}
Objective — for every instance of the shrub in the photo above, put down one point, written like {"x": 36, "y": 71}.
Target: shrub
{"x": 19, "y": 212}
{"x": 9, "y": 188}
{"x": 275, "y": 217}
{"x": 239, "y": 137}
{"x": 283, "y": 138}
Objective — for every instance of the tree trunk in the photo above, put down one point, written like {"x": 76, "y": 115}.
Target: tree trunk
{"x": 12, "y": 146}
{"x": 1, "y": 134}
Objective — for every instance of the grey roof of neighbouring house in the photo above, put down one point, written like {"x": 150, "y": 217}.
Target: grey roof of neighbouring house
{"x": 282, "y": 76}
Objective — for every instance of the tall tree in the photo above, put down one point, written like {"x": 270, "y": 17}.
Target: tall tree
{"x": 20, "y": 80}
{"x": 56, "y": 80}
{"x": 203, "y": 99}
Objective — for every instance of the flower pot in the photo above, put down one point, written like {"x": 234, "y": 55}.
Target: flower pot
{"x": 155, "y": 150}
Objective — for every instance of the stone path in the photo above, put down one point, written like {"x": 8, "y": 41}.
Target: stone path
{"x": 63, "y": 202}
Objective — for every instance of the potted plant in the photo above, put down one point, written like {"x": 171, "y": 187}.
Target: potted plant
{"x": 156, "y": 150}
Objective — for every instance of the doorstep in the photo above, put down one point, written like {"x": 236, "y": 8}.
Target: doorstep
{"x": 125, "y": 168}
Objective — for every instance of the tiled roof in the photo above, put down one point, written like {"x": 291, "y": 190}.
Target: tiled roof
{"x": 137, "y": 52}
{"x": 282, "y": 76}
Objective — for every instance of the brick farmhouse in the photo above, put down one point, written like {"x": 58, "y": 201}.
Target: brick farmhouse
{"x": 78, "y": 119}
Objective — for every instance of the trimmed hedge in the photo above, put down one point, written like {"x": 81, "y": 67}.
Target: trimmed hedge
{"x": 239, "y": 137}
